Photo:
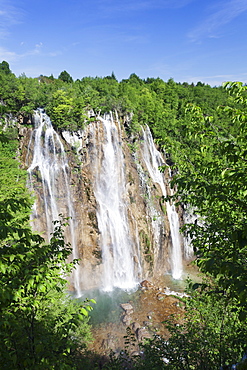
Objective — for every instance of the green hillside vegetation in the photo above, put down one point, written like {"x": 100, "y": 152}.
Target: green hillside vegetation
{"x": 202, "y": 130}
{"x": 153, "y": 101}
{"x": 40, "y": 326}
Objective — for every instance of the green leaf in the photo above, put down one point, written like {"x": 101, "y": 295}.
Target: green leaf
{"x": 84, "y": 312}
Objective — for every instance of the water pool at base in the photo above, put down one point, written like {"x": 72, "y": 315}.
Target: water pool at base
{"x": 107, "y": 307}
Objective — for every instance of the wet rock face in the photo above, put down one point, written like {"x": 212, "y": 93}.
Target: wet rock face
{"x": 148, "y": 226}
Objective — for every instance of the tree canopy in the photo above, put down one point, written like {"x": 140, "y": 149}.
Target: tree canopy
{"x": 65, "y": 77}
{"x": 210, "y": 161}
{"x": 4, "y": 67}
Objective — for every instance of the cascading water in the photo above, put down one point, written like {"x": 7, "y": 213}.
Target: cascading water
{"x": 190, "y": 217}
{"x": 50, "y": 167}
{"x": 119, "y": 229}
{"x": 117, "y": 245}
{"x": 153, "y": 160}
{"x": 154, "y": 244}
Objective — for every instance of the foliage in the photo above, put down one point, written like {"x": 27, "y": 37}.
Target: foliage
{"x": 66, "y": 110}
{"x": 65, "y": 77}
{"x": 4, "y": 67}
{"x": 15, "y": 202}
{"x": 40, "y": 327}
{"x": 153, "y": 101}
{"x": 211, "y": 178}
{"x": 209, "y": 335}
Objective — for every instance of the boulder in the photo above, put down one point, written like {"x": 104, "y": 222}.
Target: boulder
{"x": 135, "y": 326}
{"x": 127, "y": 307}
{"x": 109, "y": 342}
{"x": 142, "y": 333}
{"x": 145, "y": 284}
{"x": 126, "y": 319}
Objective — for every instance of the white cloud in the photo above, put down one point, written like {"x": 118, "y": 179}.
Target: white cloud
{"x": 12, "y": 56}
{"x": 163, "y": 70}
{"x": 37, "y": 49}
{"x": 135, "y": 39}
{"x": 9, "y": 16}
{"x": 54, "y": 53}
{"x": 8, "y": 55}
{"x": 217, "y": 80}
{"x": 221, "y": 14}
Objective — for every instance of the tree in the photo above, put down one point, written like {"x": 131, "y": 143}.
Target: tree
{"x": 67, "y": 109}
{"x": 65, "y": 77}
{"x": 40, "y": 326}
{"x": 208, "y": 336}
{"x": 211, "y": 178}
{"x": 4, "y": 67}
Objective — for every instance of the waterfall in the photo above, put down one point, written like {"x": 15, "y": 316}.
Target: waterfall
{"x": 49, "y": 167}
{"x": 190, "y": 217}
{"x": 112, "y": 222}
{"x": 154, "y": 215}
{"x": 153, "y": 160}
{"x": 117, "y": 244}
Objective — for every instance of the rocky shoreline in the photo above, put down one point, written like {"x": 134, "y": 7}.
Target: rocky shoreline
{"x": 139, "y": 320}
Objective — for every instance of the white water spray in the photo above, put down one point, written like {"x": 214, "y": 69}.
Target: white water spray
{"x": 49, "y": 167}
{"x": 153, "y": 160}
{"x": 110, "y": 193}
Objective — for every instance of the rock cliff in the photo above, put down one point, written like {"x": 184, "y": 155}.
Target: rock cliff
{"x": 121, "y": 229}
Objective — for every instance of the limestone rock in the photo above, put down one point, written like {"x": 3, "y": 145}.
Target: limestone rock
{"x": 145, "y": 284}
{"x": 127, "y": 307}
{"x": 126, "y": 319}
{"x": 135, "y": 326}
{"x": 142, "y": 334}
{"x": 109, "y": 342}
{"x": 151, "y": 245}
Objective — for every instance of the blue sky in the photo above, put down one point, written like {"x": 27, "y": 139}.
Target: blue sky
{"x": 187, "y": 40}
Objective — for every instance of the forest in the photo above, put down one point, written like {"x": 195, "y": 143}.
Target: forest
{"x": 203, "y": 131}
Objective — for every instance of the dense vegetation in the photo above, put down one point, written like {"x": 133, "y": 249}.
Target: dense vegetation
{"x": 203, "y": 132}
{"x": 153, "y": 101}
{"x": 40, "y": 326}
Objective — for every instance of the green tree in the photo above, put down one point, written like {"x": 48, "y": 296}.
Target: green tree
{"x": 40, "y": 326}
{"x": 8, "y": 98}
{"x": 211, "y": 160}
{"x": 4, "y": 67}
{"x": 65, "y": 77}
{"x": 67, "y": 109}
{"x": 209, "y": 335}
